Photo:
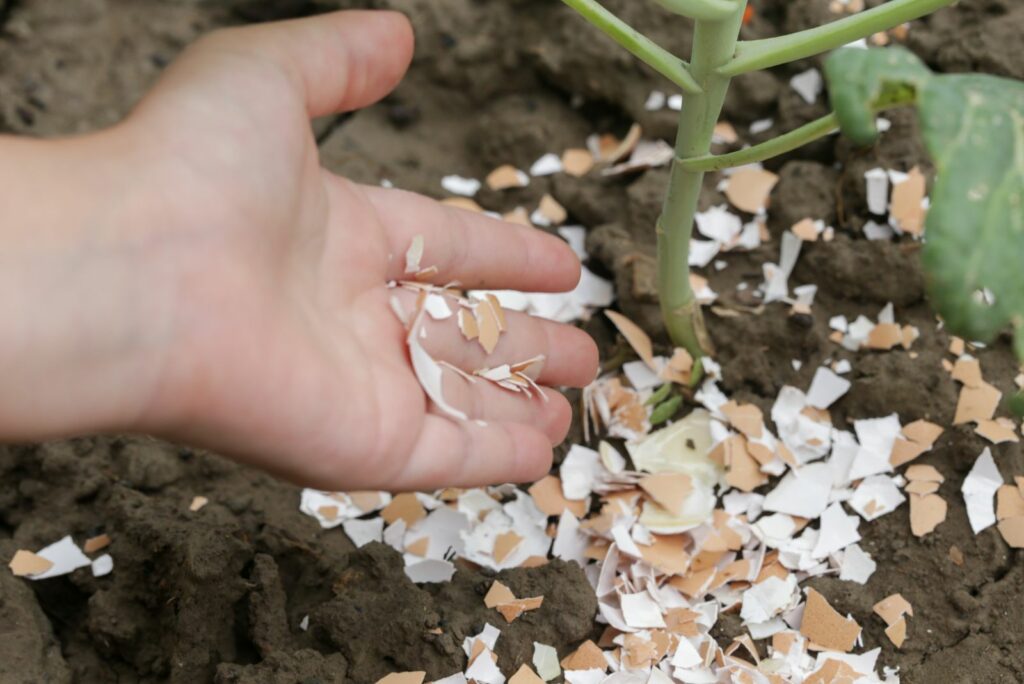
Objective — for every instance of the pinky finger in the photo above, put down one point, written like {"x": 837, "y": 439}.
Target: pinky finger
{"x": 455, "y": 453}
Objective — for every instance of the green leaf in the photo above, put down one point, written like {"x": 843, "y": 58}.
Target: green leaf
{"x": 665, "y": 410}
{"x": 863, "y": 81}
{"x": 697, "y": 372}
{"x": 973, "y": 127}
{"x": 1016, "y": 403}
{"x": 659, "y": 395}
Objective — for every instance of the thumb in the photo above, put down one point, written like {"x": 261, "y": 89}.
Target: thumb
{"x": 335, "y": 62}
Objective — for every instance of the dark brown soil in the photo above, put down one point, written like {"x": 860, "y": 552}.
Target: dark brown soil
{"x": 219, "y": 595}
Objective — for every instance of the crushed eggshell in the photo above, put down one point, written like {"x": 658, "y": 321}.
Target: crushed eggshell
{"x": 897, "y": 632}
{"x": 463, "y": 203}
{"x": 979, "y": 490}
{"x": 998, "y": 431}
{"x": 649, "y": 154}
{"x": 724, "y": 132}
{"x": 587, "y": 657}
{"x": 60, "y": 558}
{"x": 826, "y": 388}
{"x": 1009, "y": 502}
{"x": 418, "y": 547}
{"x": 927, "y": 512}
{"x": 506, "y": 543}
{"x": 922, "y": 432}
{"x": 550, "y": 212}
{"x": 414, "y": 255}
{"x": 26, "y": 564}
{"x": 808, "y": 84}
{"x": 679, "y": 367}
{"x": 884, "y": 336}
{"x": 749, "y": 188}
{"x": 613, "y": 150}
{"x": 877, "y": 185}
{"x": 103, "y": 565}
{"x": 968, "y": 372}
{"x": 667, "y": 553}
{"x": 1010, "y": 514}
{"x": 742, "y": 470}
{"x": 747, "y": 418}
{"x": 669, "y": 490}
{"x": 825, "y": 627}
{"x": 94, "y": 544}
{"x": 505, "y": 602}
{"x": 977, "y": 403}
{"x": 405, "y": 507}
{"x": 548, "y": 496}
{"x": 806, "y": 230}
{"x": 892, "y": 608}
{"x": 907, "y": 206}
{"x": 525, "y": 675}
{"x": 926, "y": 473}
{"x": 577, "y": 162}
{"x": 1012, "y": 531}
{"x": 505, "y": 177}
{"x": 545, "y": 660}
{"x": 403, "y": 678}
{"x": 459, "y": 185}
{"x": 635, "y": 336}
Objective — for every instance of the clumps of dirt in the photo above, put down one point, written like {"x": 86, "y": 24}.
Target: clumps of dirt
{"x": 223, "y": 592}
{"x": 30, "y": 652}
{"x": 974, "y": 36}
{"x": 304, "y": 665}
{"x": 382, "y": 622}
{"x": 806, "y": 189}
{"x": 869, "y": 271}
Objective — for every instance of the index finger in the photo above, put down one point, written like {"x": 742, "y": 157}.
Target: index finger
{"x": 475, "y": 250}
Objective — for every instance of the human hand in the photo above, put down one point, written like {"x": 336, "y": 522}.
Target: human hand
{"x": 279, "y": 344}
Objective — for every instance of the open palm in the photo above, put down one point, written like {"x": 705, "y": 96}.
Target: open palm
{"x": 286, "y": 351}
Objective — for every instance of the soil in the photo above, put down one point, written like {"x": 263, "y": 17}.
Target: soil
{"x": 219, "y": 595}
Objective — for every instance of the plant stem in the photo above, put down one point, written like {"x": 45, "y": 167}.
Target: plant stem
{"x": 714, "y": 43}
{"x": 769, "y": 52}
{"x": 787, "y": 142}
{"x": 660, "y": 59}
{"x": 713, "y": 10}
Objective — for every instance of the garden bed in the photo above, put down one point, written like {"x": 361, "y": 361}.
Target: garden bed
{"x": 220, "y": 594}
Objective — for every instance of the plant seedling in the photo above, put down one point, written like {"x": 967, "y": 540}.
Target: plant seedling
{"x": 973, "y": 127}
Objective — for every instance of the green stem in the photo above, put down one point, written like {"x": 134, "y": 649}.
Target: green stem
{"x": 660, "y": 59}
{"x": 714, "y": 43}
{"x": 769, "y": 52}
{"x": 787, "y": 142}
{"x": 711, "y": 10}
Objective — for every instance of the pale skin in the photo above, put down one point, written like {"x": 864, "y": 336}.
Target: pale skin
{"x": 195, "y": 274}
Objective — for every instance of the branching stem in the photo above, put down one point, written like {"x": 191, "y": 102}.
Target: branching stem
{"x": 769, "y": 52}
{"x": 787, "y": 142}
{"x": 657, "y": 57}
{"x": 717, "y": 57}
{"x": 709, "y": 10}
{"x": 714, "y": 43}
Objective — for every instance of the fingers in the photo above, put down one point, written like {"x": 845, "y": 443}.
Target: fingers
{"x": 452, "y": 453}
{"x": 571, "y": 356}
{"x": 337, "y": 62}
{"x": 472, "y": 249}
{"x": 483, "y": 400}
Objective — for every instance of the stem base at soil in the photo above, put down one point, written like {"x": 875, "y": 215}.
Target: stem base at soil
{"x": 713, "y": 45}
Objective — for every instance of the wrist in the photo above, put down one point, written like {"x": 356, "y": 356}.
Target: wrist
{"x": 80, "y": 292}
